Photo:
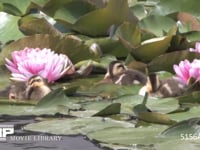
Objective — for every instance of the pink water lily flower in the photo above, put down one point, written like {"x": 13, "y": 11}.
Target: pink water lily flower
{"x": 182, "y": 71}
{"x": 196, "y": 49}
{"x": 186, "y": 70}
{"x": 195, "y": 69}
{"x": 35, "y": 61}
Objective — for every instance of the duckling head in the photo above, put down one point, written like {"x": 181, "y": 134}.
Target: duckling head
{"x": 37, "y": 88}
{"x": 115, "y": 68}
{"x": 36, "y": 81}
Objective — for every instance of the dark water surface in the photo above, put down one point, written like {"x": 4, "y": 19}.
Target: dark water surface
{"x": 66, "y": 142}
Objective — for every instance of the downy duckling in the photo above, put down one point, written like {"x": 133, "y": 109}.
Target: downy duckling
{"x": 34, "y": 89}
{"x": 170, "y": 87}
{"x": 16, "y": 91}
{"x": 117, "y": 73}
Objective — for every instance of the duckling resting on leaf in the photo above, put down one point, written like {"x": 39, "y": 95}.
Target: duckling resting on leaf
{"x": 117, "y": 73}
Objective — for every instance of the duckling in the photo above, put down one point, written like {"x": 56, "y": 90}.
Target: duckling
{"x": 16, "y": 91}
{"x": 170, "y": 87}
{"x": 36, "y": 88}
{"x": 117, "y": 73}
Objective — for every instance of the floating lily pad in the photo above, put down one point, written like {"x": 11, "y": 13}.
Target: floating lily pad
{"x": 75, "y": 126}
{"x": 184, "y": 129}
{"x": 189, "y": 113}
{"x": 128, "y": 136}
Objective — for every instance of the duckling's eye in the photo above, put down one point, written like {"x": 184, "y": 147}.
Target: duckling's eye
{"x": 120, "y": 66}
{"x": 37, "y": 80}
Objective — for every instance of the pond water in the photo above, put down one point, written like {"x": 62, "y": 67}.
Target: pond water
{"x": 66, "y": 142}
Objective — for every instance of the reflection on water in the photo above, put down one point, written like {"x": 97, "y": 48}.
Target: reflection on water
{"x": 26, "y": 140}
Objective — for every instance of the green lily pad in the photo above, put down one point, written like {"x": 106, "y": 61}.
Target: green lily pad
{"x": 129, "y": 32}
{"x": 69, "y": 45}
{"x": 156, "y": 117}
{"x": 92, "y": 24}
{"x": 184, "y": 129}
{"x": 67, "y": 13}
{"x": 169, "y": 7}
{"x": 161, "y": 63}
{"x": 32, "y": 24}
{"x": 192, "y": 36}
{"x": 109, "y": 46}
{"x": 112, "y": 109}
{"x": 151, "y": 48}
{"x": 15, "y": 7}
{"x": 159, "y": 25}
{"x": 9, "y": 28}
{"x": 187, "y": 114}
{"x": 190, "y": 98}
{"x": 56, "y": 97}
{"x": 128, "y": 136}
{"x": 75, "y": 126}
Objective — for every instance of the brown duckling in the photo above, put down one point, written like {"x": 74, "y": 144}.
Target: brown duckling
{"x": 16, "y": 91}
{"x": 117, "y": 73}
{"x": 34, "y": 89}
{"x": 170, "y": 87}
